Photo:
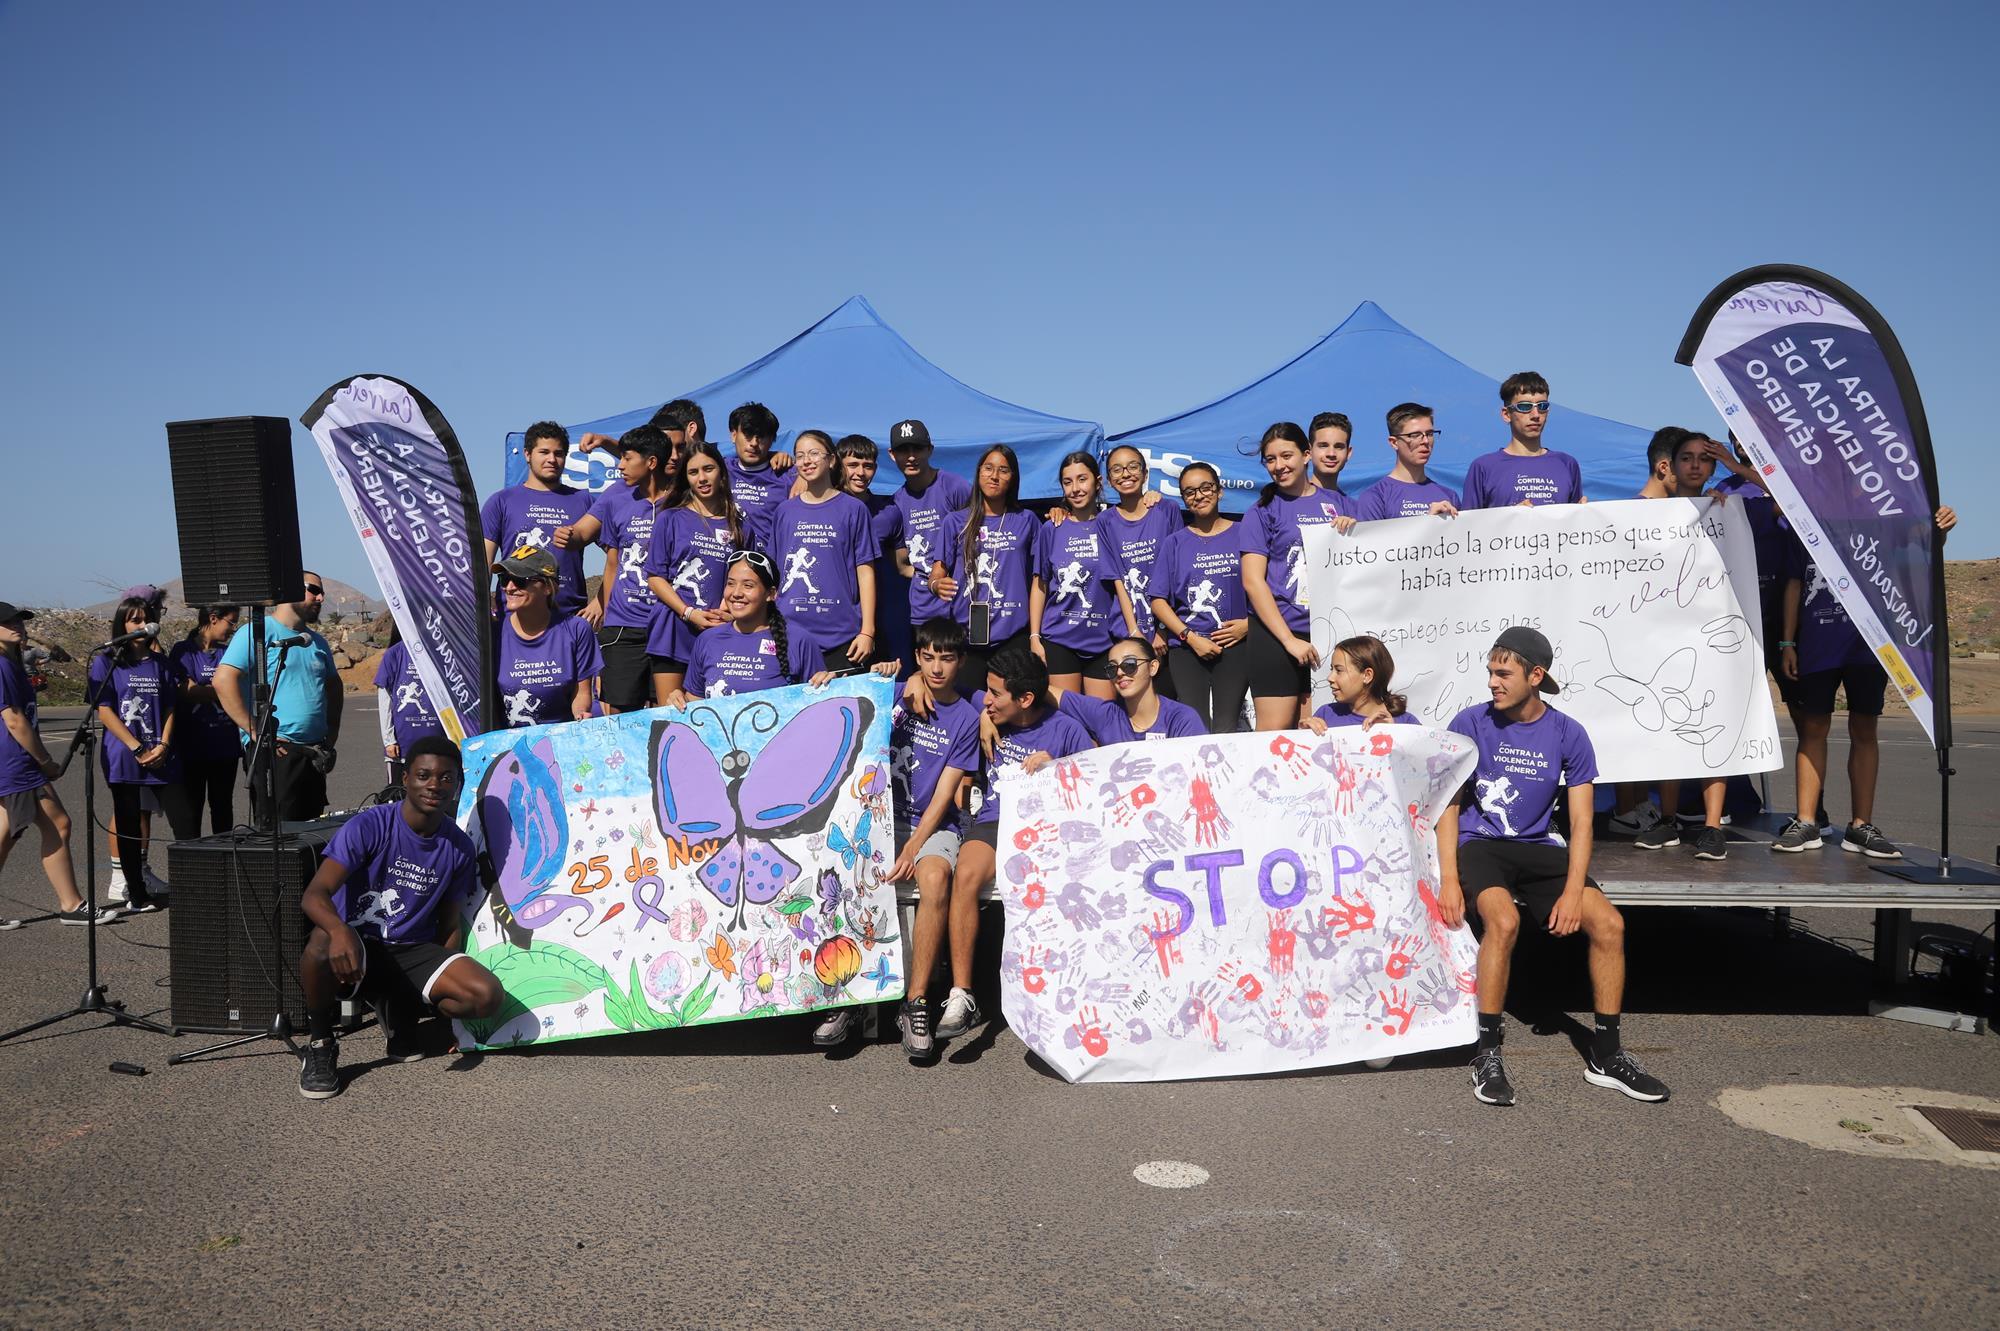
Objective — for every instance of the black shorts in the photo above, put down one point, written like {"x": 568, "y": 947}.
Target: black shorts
{"x": 984, "y": 834}
{"x": 403, "y": 972}
{"x": 1067, "y": 661}
{"x": 835, "y": 658}
{"x": 627, "y": 681}
{"x": 1533, "y": 872}
{"x": 666, "y": 665}
{"x": 1866, "y": 685}
{"x": 1273, "y": 672}
{"x": 972, "y": 665}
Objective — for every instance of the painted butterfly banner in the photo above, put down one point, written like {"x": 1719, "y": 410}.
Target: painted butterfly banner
{"x": 1224, "y": 906}
{"x": 676, "y": 867}
{"x": 1813, "y": 382}
{"x": 403, "y": 477}
{"x": 1651, "y": 606}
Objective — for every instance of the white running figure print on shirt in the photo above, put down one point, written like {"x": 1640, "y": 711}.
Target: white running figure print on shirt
{"x": 798, "y": 568}
{"x": 1072, "y": 579}
{"x": 1495, "y": 797}
{"x": 632, "y": 563}
{"x": 520, "y": 708}
{"x": 920, "y": 551}
{"x": 132, "y": 711}
{"x": 534, "y": 536}
{"x": 985, "y": 576}
{"x": 1295, "y": 571}
{"x": 409, "y": 696}
{"x": 378, "y": 908}
{"x": 1205, "y": 602}
{"x": 688, "y": 580}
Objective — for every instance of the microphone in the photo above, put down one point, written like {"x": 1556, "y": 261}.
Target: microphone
{"x": 149, "y": 631}
{"x": 296, "y": 640}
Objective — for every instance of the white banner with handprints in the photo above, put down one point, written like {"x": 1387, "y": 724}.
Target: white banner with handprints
{"x": 1651, "y": 606}
{"x": 1230, "y": 905}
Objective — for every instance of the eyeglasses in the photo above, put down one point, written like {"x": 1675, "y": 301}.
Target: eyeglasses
{"x": 1419, "y": 436}
{"x": 311, "y": 590}
{"x": 1202, "y": 491}
{"x": 1129, "y": 665}
{"x": 1129, "y": 469}
{"x": 1529, "y": 408}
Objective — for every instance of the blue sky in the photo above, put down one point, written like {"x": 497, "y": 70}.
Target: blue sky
{"x": 1109, "y": 213}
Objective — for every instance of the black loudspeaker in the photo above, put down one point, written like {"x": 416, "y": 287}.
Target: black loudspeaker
{"x": 236, "y": 928}
{"x": 238, "y": 510}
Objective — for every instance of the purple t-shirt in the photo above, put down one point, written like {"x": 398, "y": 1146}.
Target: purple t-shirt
{"x": 758, "y": 493}
{"x": 921, "y": 747}
{"x": 398, "y": 881}
{"x": 931, "y": 521}
{"x": 204, "y": 731}
{"x": 1272, "y": 530}
{"x": 518, "y": 516}
{"x": 892, "y": 589}
{"x": 537, "y": 678}
{"x": 1828, "y": 639}
{"x": 1137, "y": 546}
{"x": 1391, "y": 498}
{"x": 1055, "y": 734}
{"x": 1107, "y": 722}
{"x": 628, "y": 521}
{"x": 18, "y": 771}
{"x": 410, "y": 714}
{"x": 1337, "y": 714}
{"x": 1503, "y": 479}
{"x": 1079, "y": 574}
{"x": 1521, "y": 766}
{"x": 1003, "y": 560}
{"x": 143, "y": 693}
{"x": 692, "y": 553}
{"x": 818, "y": 548}
{"x": 1771, "y": 535}
{"x": 1201, "y": 577}
{"x": 727, "y": 661}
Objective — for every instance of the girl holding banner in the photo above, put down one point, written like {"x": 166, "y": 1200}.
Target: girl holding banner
{"x": 1273, "y": 562}
{"x": 1197, "y": 599}
{"x": 1359, "y": 678}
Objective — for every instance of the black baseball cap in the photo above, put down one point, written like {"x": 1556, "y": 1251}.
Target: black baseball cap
{"x": 1532, "y": 647}
{"x": 908, "y": 434}
{"x": 9, "y": 612}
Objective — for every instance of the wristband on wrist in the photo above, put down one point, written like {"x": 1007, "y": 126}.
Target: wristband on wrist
{"x": 1783, "y": 643}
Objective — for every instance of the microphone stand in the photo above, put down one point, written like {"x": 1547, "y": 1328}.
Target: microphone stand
{"x": 94, "y": 1003}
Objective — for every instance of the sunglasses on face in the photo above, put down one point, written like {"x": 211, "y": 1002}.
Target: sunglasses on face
{"x": 1127, "y": 666}
{"x": 1529, "y": 408}
{"x": 515, "y": 580}
{"x": 312, "y": 590}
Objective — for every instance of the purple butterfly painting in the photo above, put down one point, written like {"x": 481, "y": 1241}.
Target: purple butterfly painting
{"x": 728, "y": 812}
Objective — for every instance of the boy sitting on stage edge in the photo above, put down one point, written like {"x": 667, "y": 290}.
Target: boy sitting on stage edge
{"x": 1503, "y": 849}
{"x": 398, "y": 941}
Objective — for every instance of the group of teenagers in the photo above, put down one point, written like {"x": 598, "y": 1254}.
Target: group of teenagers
{"x": 1023, "y": 638}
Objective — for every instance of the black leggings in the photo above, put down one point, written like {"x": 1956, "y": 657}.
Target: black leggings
{"x": 183, "y": 816}
{"x": 972, "y": 666}
{"x": 212, "y": 782}
{"x": 1215, "y": 688}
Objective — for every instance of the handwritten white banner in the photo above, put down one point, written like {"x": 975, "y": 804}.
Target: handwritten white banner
{"x": 1651, "y": 606}
{"x": 1231, "y": 905}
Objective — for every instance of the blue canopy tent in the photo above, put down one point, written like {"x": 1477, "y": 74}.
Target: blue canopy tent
{"x": 851, "y": 373}
{"x": 1364, "y": 367}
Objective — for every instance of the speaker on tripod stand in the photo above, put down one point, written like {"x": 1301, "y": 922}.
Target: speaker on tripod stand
{"x": 237, "y": 508}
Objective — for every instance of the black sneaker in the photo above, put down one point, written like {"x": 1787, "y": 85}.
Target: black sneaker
{"x": 140, "y": 903}
{"x": 1668, "y": 833}
{"x": 1867, "y": 839}
{"x": 1711, "y": 843}
{"x": 1621, "y": 1072}
{"x": 1798, "y": 835}
{"x": 1489, "y": 1079}
{"x": 915, "y": 1022}
{"x": 82, "y": 915}
{"x": 319, "y": 1070}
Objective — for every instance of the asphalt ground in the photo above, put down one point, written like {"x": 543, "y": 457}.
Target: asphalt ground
{"x": 734, "y": 1177}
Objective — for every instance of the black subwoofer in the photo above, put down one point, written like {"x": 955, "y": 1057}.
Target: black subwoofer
{"x": 236, "y": 928}
{"x": 237, "y": 508}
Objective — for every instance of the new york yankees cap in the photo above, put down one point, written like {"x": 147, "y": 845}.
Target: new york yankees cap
{"x": 908, "y": 434}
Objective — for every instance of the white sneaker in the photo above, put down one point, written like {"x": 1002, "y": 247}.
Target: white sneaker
{"x": 960, "y": 1015}
{"x": 838, "y": 1026}
{"x": 1643, "y": 818}
{"x": 116, "y": 894}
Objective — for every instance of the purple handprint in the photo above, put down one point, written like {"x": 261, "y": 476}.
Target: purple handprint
{"x": 1130, "y": 763}
{"x": 1164, "y": 830}
{"x": 1216, "y": 761}
{"x": 1076, "y": 908}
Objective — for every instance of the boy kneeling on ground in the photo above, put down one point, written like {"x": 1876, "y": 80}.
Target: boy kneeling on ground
{"x": 398, "y": 942}
{"x": 1501, "y": 849}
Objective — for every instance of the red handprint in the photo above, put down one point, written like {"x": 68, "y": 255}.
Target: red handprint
{"x": 1033, "y": 895}
{"x": 1402, "y": 955}
{"x": 1398, "y": 1009}
{"x": 1381, "y": 742}
{"x": 1315, "y": 1003}
{"x": 1289, "y": 755}
{"x": 1346, "y": 917}
{"x": 1166, "y": 942}
{"x": 1248, "y": 987}
{"x": 1346, "y": 780}
{"x": 1069, "y": 783}
{"x": 1032, "y": 834}
{"x": 1089, "y": 1030}
{"x": 1283, "y": 943}
{"x": 1209, "y": 820}
{"x": 1032, "y": 977}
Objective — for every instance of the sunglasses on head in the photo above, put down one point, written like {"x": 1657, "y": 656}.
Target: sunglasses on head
{"x": 758, "y": 560}
{"x": 1529, "y": 408}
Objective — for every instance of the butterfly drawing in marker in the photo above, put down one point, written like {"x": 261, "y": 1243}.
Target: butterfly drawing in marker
{"x": 829, "y": 891}
{"x": 721, "y": 956}
{"x": 851, "y": 848}
{"x": 523, "y": 828}
{"x": 880, "y": 973}
{"x": 742, "y": 805}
